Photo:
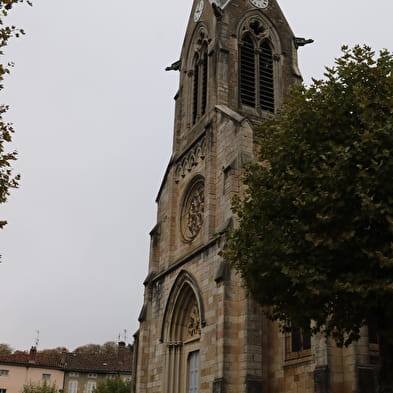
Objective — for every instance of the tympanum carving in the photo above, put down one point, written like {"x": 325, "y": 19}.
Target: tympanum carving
{"x": 194, "y": 322}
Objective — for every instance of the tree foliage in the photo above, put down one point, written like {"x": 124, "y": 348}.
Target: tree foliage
{"x": 113, "y": 385}
{"x": 7, "y": 179}
{"x": 40, "y": 388}
{"x": 109, "y": 348}
{"x": 315, "y": 235}
{"x": 5, "y": 349}
{"x": 53, "y": 351}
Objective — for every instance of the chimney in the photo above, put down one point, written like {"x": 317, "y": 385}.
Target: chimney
{"x": 63, "y": 359}
{"x": 121, "y": 351}
{"x": 33, "y": 354}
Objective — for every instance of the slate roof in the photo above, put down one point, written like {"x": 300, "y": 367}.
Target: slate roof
{"x": 99, "y": 363}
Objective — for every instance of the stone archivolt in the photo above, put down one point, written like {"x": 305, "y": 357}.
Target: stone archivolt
{"x": 190, "y": 160}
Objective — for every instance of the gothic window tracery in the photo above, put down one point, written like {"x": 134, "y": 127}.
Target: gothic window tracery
{"x": 256, "y": 67}
{"x": 193, "y": 209}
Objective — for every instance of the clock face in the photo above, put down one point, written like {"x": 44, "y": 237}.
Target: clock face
{"x": 260, "y": 3}
{"x": 199, "y": 10}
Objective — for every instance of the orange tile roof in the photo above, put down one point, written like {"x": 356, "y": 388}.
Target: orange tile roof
{"x": 70, "y": 361}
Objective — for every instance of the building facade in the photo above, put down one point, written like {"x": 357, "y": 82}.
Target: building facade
{"x": 23, "y": 368}
{"x": 199, "y": 330}
{"x": 83, "y": 371}
{"x": 69, "y": 372}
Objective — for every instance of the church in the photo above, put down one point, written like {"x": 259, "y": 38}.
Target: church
{"x": 199, "y": 331}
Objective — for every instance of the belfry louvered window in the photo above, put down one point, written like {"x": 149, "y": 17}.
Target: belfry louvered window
{"x": 256, "y": 73}
{"x": 204, "y": 84}
{"x": 247, "y": 71}
{"x": 266, "y": 81}
{"x": 200, "y": 85}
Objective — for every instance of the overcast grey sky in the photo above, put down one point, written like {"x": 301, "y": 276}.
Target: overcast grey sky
{"x": 93, "y": 111}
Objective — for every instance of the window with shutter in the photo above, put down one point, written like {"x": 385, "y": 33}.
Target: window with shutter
{"x": 200, "y": 84}
{"x": 247, "y": 71}
{"x": 195, "y": 94}
{"x": 91, "y": 385}
{"x": 266, "y": 81}
{"x": 72, "y": 386}
{"x": 204, "y": 83}
{"x": 256, "y": 69}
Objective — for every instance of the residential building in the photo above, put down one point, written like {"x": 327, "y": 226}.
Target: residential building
{"x": 70, "y": 372}
{"x": 21, "y": 368}
{"x": 84, "y": 371}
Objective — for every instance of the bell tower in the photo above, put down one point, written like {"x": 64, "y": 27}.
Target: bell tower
{"x": 239, "y": 54}
{"x": 199, "y": 330}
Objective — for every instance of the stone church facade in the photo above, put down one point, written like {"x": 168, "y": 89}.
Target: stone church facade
{"x": 199, "y": 330}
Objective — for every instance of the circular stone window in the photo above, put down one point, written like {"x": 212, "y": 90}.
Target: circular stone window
{"x": 193, "y": 210}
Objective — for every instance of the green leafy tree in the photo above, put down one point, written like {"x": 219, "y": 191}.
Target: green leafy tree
{"x": 109, "y": 348}
{"x": 315, "y": 235}
{"x": 5, "y": 349}
{"x": 7, "y": 179}
{"x": 53, "y": 351}
{"x": 40, "y": 388}
{"x": 88, "y": 348}
{"x": 113, "y": 385}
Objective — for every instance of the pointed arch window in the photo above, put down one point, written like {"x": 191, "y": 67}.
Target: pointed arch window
{"x": 256, "y": 72}
{"x": 195, "y": 93}
{"x": 200, "y": 84}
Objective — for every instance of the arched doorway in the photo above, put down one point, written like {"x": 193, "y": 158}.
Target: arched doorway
{"x": 183, "y": 322}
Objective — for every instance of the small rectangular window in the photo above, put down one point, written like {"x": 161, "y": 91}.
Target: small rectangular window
{"x": 193, "y": 372}
{"x": 91, "y": 385}
{"x": 3, "y": 390}
{"x": 4, "y": 373}
{"x": 297, "y": 344}
{"x": 296, "y": 341}
{"x": 46, "y": 377}
{"x": 73, "y": 387}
